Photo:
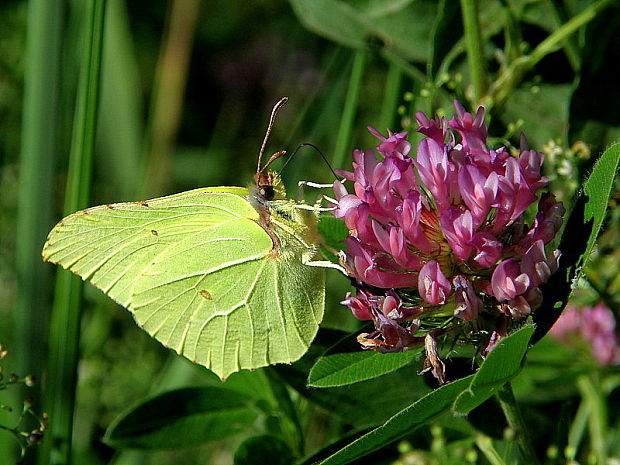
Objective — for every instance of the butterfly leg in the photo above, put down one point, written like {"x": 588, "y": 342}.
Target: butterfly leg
{"x": 317, "y": 205}
{"x": 315, "y": 185}
{"x": 326, "y": 264}
{"x": 319, "y": 201}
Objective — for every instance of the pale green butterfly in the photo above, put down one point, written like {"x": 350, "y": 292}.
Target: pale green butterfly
{"x": 223, "y": 275}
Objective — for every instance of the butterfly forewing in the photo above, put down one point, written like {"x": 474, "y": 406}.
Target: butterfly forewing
{"x": 110, "y": 245}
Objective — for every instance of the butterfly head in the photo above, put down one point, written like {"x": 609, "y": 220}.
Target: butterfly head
{"x": 269, "y": 185}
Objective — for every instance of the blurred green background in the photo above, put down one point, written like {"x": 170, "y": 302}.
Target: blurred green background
{"x": 187, "y": 87}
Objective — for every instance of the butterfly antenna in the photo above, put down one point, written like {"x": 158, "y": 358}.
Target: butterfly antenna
{"x": 308, "y": 144}
{"x": 272, "y": 120}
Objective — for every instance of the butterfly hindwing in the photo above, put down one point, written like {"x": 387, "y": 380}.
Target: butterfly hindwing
{"x": 230, "y": 301}
{"x": 194, "y": 296}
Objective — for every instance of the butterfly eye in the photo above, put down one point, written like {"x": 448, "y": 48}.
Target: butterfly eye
{"x": 267, "y": 192}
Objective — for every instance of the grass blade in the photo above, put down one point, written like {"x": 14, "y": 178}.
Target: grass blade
{"x": 350, "y": 106}
{"x": 167, "y": 105}
{"x": 65, "y": 322}
{"x": 391, "y": 98}
{"x": 40, "y": 143}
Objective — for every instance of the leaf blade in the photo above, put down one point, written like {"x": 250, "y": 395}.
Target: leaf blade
{"x": 405, "y": 421}
{"x": 182, "y": 418}
{"x": 353, "y": 367}
{"x": 502, "y": 364}
{"x": 579, "y": 237}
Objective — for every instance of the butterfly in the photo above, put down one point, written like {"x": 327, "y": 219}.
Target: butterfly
{"x": 222, "y": 275}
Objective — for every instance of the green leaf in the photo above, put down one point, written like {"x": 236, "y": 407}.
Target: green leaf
{"x": 403, "y": 26}
{"x": 353, "y": 367}
{"x": 334, "y": 231}
{"x": 252, "y": 384}
{"x": 546, "y": 107}
{"x": 182, "y": 418}
{"x": 346, "y": 363}
{"x": 598, "y": 190}
{"x": 404, "y": 422}
{"x": 502, "y": 363}
{"x": 263, "y": 449}
{"x": 65, "y": 319}
{"x": 550, "y": 372}
{"x": 578, "y": 239}
{"x": 334, "y": 20}
{"x": 363, "y": 404}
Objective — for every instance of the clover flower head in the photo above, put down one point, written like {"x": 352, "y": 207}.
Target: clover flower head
{"x": 592, "y": 326}
{"x": 445, "y": 230}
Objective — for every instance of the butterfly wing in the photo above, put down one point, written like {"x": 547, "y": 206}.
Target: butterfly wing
{"x": 197, "y": 272}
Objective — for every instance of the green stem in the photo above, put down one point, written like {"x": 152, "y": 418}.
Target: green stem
{"x": 407, "y": 68}
{"x": 120, "y": 132}
{"x": 512, "y": 75}
{"x": 589, "y": 387}
{"x": 513, "y": 415}
{"x": 561, "y": 34}
{"x": 577, "y": 429}
{"x": 485, "y": 444}
{"x": 286, "y": 406}
{"x": 66, "y": 313}
{"x": 167, "y": 104}
{"x": 571, "y": 49}
{"x": 350, "y": 107}
{"x": 475, "y": 49}
{"x": 391, "y": 97}
{"x": 512, "y": 33}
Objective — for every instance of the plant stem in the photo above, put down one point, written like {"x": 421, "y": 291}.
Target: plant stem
{"x": 475, "y": 49}
{"x": 66, "y": 313}
{"x": 167, "y": 103}
{"x": 120, "y": 132}
{"x": 512, "y": 74}
{"x": 563, "y": 33}
{"x": 485, "y": 444}
{"x": 513, "y": 415}
{"x": 391, "y": 97}
{"x": 589, "y": 387}
{"x": 350, "y": 107}
{"x": 286, "y": 406}
{"x": 571, "y": 48}
{"x": 577, "y": 429}
{"x": 407, "y": 68}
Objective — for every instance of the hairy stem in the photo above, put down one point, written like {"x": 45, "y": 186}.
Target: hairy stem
{"x": 509, "y": 405}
